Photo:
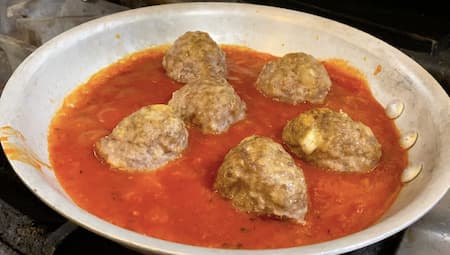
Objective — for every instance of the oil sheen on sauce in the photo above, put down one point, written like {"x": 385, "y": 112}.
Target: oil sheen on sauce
{"x": 177, "y": 202}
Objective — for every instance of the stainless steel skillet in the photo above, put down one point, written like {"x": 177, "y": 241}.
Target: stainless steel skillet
{"x": 36, "y": 90}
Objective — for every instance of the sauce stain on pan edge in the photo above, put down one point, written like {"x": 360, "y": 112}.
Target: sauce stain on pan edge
{"x": 15, "y": 147}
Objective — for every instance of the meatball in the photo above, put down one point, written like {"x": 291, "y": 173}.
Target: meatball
{"x": 332, "y": 140}
{"x": 145, "y": 140}
{"x": 294, "y": 78}
{"x": 210, "y": 104}
{"x": 259, "y": 176}
{"x": 194, "y": 55}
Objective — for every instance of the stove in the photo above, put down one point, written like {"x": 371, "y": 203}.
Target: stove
{"x": 29, "y": 227}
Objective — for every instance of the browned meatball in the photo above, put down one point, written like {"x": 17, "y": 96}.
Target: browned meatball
{"x": 332, "y": 140}
{"x": 259, "y": 176}
{"x": 294, "y": 78}
{"x": 194, "y": 55}
{"x": 210, "y": 104}
{"x": 145, "y": 140}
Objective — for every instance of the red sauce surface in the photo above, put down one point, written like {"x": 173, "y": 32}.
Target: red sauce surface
{"x": 177, "y": 202}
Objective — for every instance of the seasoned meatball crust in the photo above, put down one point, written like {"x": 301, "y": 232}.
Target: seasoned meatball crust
{"x": 210, "y": 104}
{"x": 294, "y": 78}
{"x": 194, "y": 55}
{"x": 332, "y": 140}
{"x": 259, "y": 176}
{"x": 145, "y": 140}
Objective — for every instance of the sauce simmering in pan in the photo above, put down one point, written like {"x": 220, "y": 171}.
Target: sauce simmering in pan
{"x": 177, "y": 202}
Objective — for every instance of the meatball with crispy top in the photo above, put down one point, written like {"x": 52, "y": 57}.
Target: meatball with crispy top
{"x": 194, "y": 55}
{"x": 294, "y": 78}
{"x": 332, "y": 140}
{"x": 145, "y": 140}
{"x": 259, "y": 176}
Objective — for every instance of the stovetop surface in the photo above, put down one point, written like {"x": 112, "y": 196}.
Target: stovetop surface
{"x": 420, "y": 29}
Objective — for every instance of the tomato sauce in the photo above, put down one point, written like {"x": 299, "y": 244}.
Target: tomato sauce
{"x": 177, "y": 202}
